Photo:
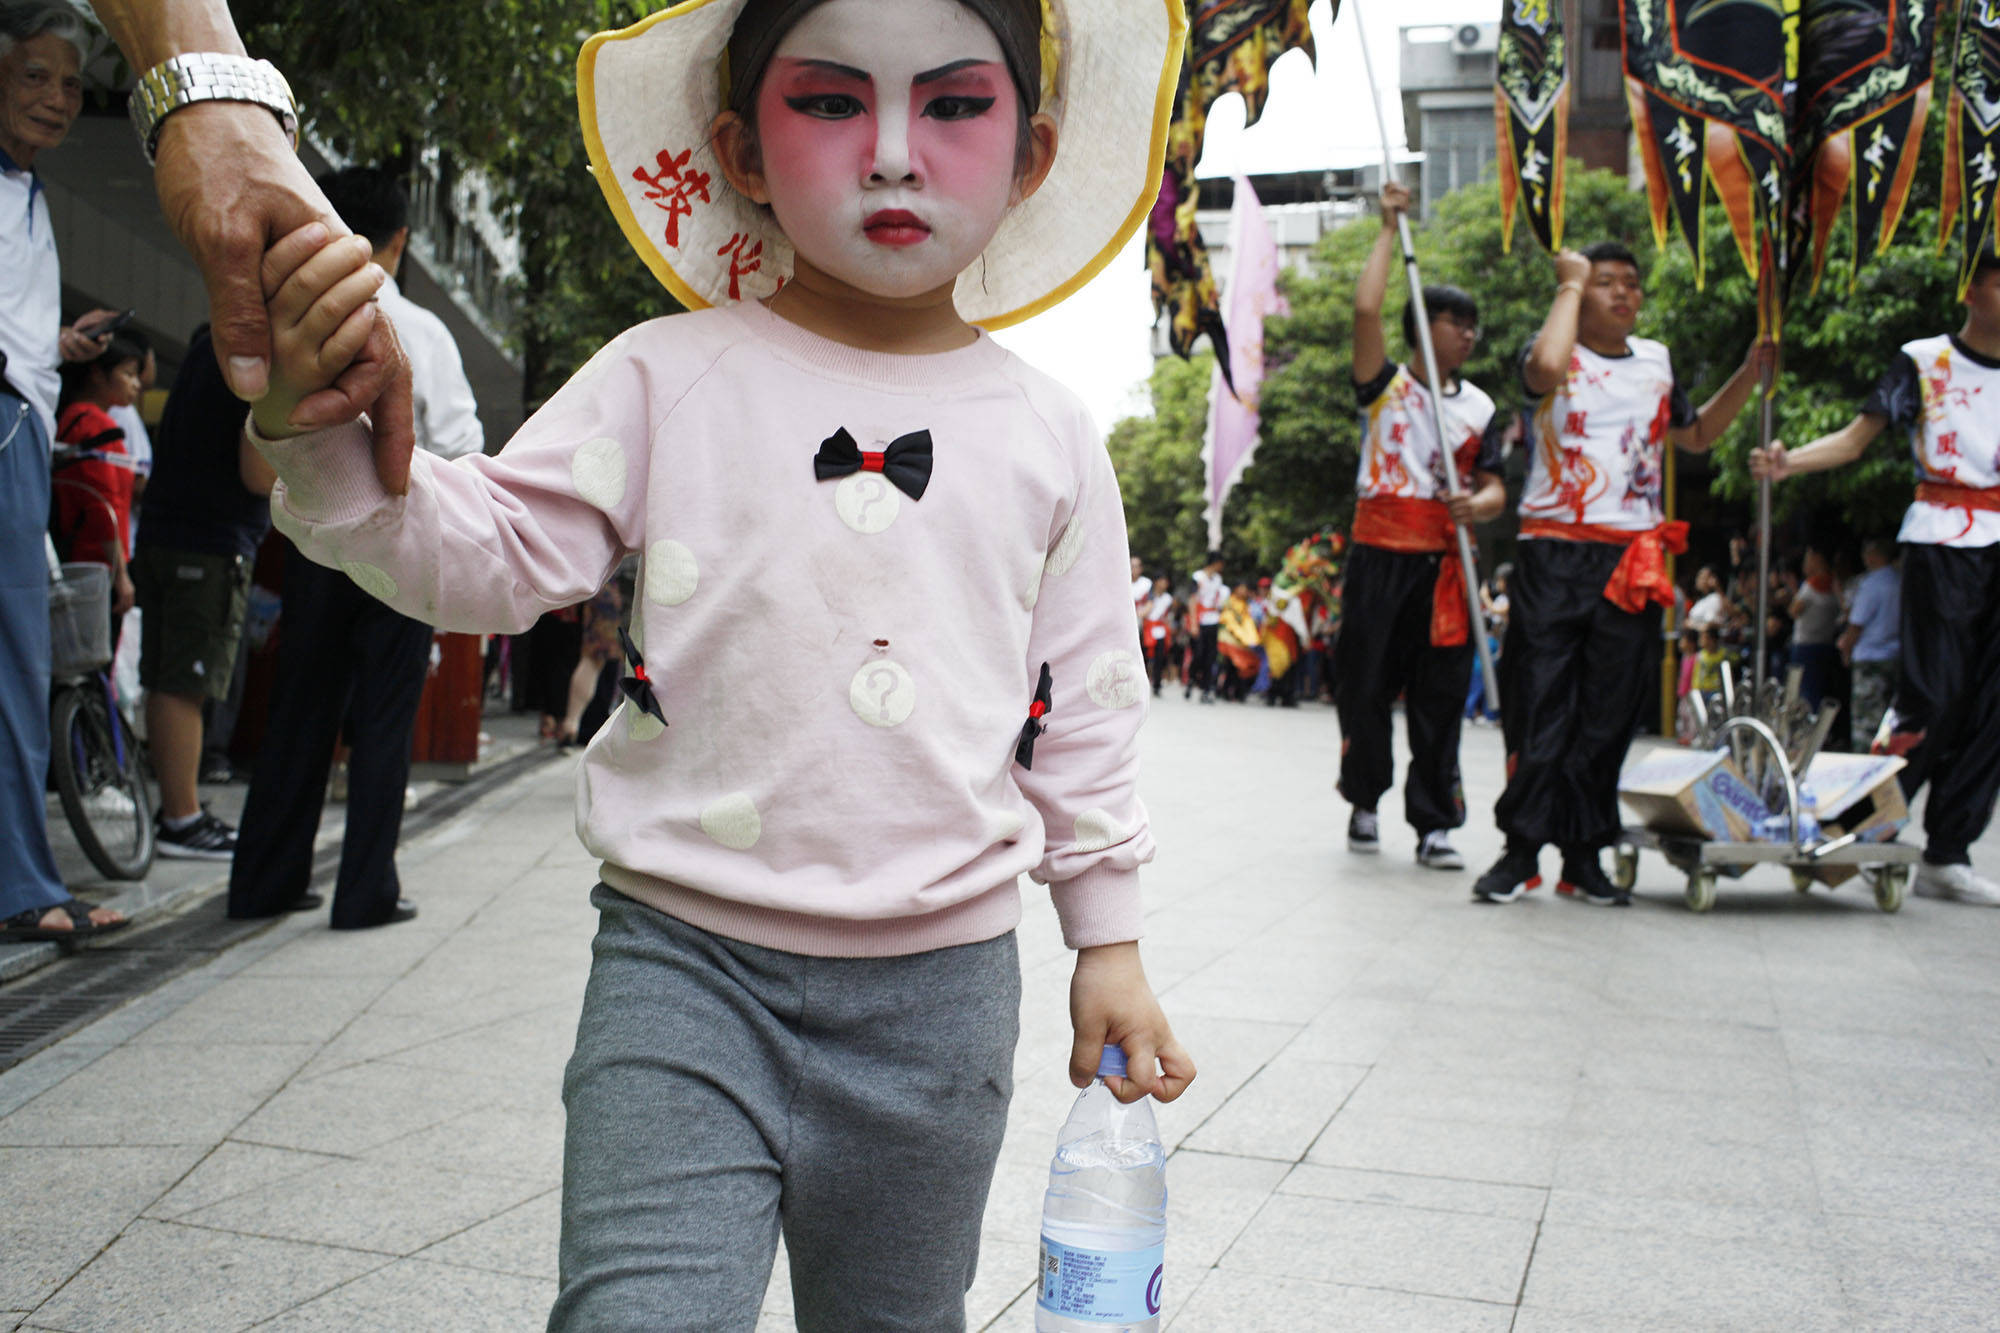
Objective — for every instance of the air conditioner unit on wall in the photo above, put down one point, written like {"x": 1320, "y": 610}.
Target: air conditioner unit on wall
{"x": 1476, "y": 39}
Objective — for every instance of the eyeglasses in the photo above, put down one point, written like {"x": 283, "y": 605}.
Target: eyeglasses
{"x": 1466, "y": 327}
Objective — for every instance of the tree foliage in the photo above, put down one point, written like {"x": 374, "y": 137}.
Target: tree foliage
{"x": 492, "y": 87}
{"x": 1837, "y": 342}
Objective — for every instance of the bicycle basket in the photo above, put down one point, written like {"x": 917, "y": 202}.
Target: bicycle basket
{"x": 80, "y": 620}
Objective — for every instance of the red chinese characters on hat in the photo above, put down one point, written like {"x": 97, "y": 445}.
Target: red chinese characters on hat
{"x": 744, "y": 259}
{"x": 674, "y": 187}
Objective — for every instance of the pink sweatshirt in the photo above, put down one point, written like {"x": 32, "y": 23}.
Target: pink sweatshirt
{"x": 844, "y": 670}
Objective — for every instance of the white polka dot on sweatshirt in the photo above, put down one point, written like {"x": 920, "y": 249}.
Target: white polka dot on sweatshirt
{"x": 671, "y": 573}
{"x": 375, "y": 582}
{"x": 597, "y": 470}
{"x": 1115, "y": 679}
{"x": 1068, "y": 547}
{"x": 643, "y": 726}
{"x": 882, "y": 693}
{"x": 1095, "y": 830}
{"x": 733, "y": 821}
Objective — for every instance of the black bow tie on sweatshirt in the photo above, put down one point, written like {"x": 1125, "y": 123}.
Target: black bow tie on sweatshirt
{"x": 905, "y": 463}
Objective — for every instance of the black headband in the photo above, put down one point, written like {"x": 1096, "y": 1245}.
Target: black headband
{"x": 764, "y": 23}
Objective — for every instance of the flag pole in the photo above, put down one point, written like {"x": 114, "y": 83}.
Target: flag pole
{"x": 1453, "y": 486}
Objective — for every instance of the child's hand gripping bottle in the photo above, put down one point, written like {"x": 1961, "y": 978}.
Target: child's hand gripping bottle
{"x": 1104, "y": 1219}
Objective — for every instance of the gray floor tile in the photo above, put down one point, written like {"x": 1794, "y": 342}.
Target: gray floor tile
{"x": 494, "y": 1140}
{"x": 415, "y": 1294}
{"x": 245, "y": 1010}
{"x": 232, "y": 1169}
{"x": 1280, "y": 1111}
{"x": 161, "y": 1276}
{"x": 61, "y": 1206}
{"x": 1460, "y": 1149}
{"x": 1376, "y": 1245}
{"x": 1630, "y": 1279}
{"x": 352, "y": 1110}
{"x": 389, "y": 1207}
{"x": 521, "y": 1240}
{"x": 155, "y": 1094}
{"x": 1255, "y": 1303}
{"x": 1776, "y": 1175}
{"x": 1521, "y": 1202}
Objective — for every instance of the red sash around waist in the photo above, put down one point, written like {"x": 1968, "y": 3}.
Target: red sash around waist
{"x": 1401, "y": 523}
{"x": 1641, "y": 575}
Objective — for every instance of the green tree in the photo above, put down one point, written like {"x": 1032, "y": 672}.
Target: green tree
{"x": 493, "y": 90}
{"x": 1158, "y": 460}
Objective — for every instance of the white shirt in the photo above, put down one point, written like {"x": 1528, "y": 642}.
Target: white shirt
{"x": 1938, "y": 389}
{"x": 1706, "y": 613}
{"x": 30, "y": 293}
{"x": 1210, "y": 592}
{"x": 1600, "y": 439}
{"x": 1142, "y": 588}
{"x": 138, "y": 440}
{"x": 447, "y": 415}
{"x": 1399, "y": 447}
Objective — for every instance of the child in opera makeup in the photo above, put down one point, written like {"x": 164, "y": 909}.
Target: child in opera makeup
{"x": 883, "y": 614}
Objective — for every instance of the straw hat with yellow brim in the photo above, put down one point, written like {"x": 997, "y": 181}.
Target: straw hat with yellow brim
{"x": 649, "y": 93}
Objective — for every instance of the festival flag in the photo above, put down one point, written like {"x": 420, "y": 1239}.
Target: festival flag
{"x": 1707, "y": 86}
{"x": 1231, "y": 47}
{"x": 1972, "y": 136}
{"x": 1531, "y": 110}
{"x": 1864, "y": 86}
{"x": 1252, "y": 294}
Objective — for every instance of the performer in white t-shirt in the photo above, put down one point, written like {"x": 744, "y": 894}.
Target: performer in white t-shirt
{"x": 1945, "y": 391}
{"x": 1407, "y": 629}
{"x": 1591, "y": 574}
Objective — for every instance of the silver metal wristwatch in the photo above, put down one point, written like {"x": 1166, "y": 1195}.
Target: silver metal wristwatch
{"x": 208, "y": 76}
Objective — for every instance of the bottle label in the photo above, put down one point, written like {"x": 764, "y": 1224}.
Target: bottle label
{"x": 1101, "y": 1286}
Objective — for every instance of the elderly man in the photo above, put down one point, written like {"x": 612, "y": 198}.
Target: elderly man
{"x": 42, "y": 47}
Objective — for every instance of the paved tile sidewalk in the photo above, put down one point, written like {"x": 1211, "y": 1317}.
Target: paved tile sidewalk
{"x": 1413, "y": 1113}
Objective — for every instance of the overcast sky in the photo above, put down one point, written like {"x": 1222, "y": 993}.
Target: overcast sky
{"x": 1097, "y": 342}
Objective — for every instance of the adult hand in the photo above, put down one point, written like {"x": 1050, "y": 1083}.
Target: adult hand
{"x": 122, "y": 594}
{"x": 1463, "y": 511}
{"x": 1762, "y": 360}
{"x": 81, "y": 341}
{"x": 1395, "y": 203}
{"x": 1773, "y": 461}
{"x": 230, "y": 187}
{"x": 1572, "y": 266}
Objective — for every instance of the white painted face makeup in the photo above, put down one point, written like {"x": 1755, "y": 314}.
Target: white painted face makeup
{"x": 887, "y": 131}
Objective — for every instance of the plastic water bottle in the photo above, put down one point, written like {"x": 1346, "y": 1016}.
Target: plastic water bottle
{"x": 1104, "y": 1219}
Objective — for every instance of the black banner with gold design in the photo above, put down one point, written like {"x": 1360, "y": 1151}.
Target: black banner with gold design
{"x": 1972, "y": 136}
{"x": 1531, "y": 111}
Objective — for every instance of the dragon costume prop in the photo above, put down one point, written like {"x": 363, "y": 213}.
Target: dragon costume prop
{"x": 1531, "y": 108}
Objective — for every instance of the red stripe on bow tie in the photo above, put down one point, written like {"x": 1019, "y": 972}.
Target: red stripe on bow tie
{"x": 872, "y": 462}
{"x": 1037, "y": 708}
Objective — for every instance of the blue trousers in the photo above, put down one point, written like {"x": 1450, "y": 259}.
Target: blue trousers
{"x": 27, "y": 867}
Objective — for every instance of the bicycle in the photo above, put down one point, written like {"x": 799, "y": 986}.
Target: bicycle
{"x": 96, "y": 761}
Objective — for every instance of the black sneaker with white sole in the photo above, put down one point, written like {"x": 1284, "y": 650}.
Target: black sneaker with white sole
{"x": 1364, "y": 832}
{"x": 1434, "y": 850}
{"x": 206, "y": 839}
{"x": 1511, "y": 876}
{"x": 1584, "y": 880}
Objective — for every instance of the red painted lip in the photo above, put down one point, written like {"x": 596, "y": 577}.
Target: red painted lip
{"x": 895, "y": 226}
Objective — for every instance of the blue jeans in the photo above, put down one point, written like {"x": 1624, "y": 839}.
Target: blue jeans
{"x": 28, "y": 876}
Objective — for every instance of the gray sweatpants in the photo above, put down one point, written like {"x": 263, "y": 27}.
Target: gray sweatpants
{"x": 721, "y": 1091}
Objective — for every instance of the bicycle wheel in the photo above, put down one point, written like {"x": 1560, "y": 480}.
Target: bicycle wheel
{"x": 102, "y": 782}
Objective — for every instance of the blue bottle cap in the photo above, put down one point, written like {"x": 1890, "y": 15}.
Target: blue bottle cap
{"x": 1112, "y": 1063}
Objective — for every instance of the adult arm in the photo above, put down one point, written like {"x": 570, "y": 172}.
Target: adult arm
{"x": 230, "y": 185}
{"x": 1548, "y": 356}
{"x": 1370, "y": 348}
{"x": 1715, "y": 415}
{"x": 1828, "y": 451}
{"x": 1481, "y": 502}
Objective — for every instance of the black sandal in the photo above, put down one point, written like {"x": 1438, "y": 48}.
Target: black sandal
{"x": 79, "y": 914}
{"x": 27, "y": 928}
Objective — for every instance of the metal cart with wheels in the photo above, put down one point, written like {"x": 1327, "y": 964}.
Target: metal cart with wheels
{"x": 1886, "y": 868}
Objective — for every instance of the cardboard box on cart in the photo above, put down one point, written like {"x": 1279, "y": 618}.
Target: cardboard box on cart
{"x": 1694, "y": 793}
{"x": 1858, "y": 794}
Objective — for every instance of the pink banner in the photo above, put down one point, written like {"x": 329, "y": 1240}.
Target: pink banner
{"x": 1249, "y": 294}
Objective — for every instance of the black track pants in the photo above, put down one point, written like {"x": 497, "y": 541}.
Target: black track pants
{"x": 1573, "y": 678}
{"x": 1950, "y": 690}
{"x": 1384, "y": 650}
